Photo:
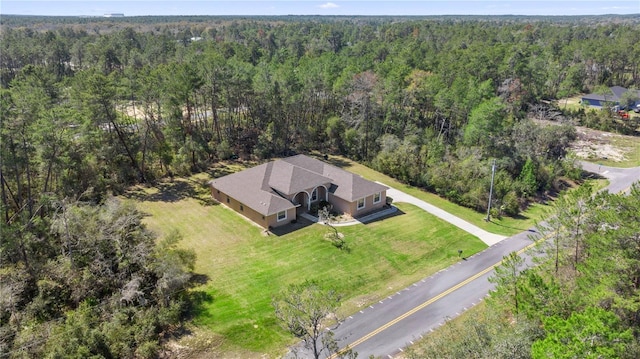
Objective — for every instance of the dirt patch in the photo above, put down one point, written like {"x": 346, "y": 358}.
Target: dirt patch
{"x": 593, "y": 144}
{"x": 198, "y": 345}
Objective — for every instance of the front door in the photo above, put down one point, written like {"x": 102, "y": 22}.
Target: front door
{"x": 301, "y": 199}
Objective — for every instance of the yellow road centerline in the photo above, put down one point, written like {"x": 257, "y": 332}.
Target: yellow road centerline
{"x": 427, "y": 303}
{"x": 440, "y": 296}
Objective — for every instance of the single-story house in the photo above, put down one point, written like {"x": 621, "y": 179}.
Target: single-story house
{"x": 613, "y": 98}
{"x": 275, "y": 193}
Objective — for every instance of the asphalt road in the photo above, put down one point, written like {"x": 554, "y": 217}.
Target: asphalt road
{"x": 620, "y": 179}
{"x": 386, "y": 327}
{"x": 392, "y": 324}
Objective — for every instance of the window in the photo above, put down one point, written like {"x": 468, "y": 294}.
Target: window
{"x": 218, "y": 191}
{"x": 377, "y": 197}
{"x": 314, "y": 195}
{"x": 361, "y": 203}
{"x": 241, "y": 208}
{"x": 228, "y": 200}
{"x": 282, "y": 215}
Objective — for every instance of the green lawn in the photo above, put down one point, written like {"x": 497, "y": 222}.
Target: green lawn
{"x": 245, "y": 268}
{"x": 507, "y": 226}
{"x": 570, "y": 103}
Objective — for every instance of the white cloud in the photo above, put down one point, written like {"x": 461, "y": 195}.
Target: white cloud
{"x": 329, "y": 5}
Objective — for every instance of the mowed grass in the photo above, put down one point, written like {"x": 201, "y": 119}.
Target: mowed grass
{"x": 245, "y": 268}
{"x": 507, "y": 226}
{"x": 570, "y": 103}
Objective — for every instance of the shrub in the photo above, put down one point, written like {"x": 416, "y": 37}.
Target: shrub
{"x": 510, "y": 204}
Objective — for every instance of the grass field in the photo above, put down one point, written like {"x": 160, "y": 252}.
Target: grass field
{"x": 506, "y": 225}
{"x": 244, "y": 268}
{"x": 570, "y": 103}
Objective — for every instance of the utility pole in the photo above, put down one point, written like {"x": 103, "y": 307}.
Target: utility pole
{"x": 493, "y": 174}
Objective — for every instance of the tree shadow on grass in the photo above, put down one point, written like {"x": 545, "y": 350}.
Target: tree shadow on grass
{"x": 585, "y": 175}
{"x": 169, "y": 191}
{"x": 194, "y": 304}
{"x": 199, "y": 279}
{"x": 198, "y": 298}
{"x": 174, "y": 191}
{"x": 222, "y": 169}
{"x": 335, "y": 161}
{"x": 219, "y": 171}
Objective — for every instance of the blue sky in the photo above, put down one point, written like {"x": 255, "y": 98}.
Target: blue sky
{"x": 309, "y": 7}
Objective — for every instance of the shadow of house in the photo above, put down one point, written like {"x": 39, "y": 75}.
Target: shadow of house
{"x": 338, "y": 162}
{"x": 397, "y": 212}
{"x": 292, "y": 226}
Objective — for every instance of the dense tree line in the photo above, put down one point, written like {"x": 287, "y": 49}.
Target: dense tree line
{"x": 89, "y": 281}
{"x": 89, "y": 107}
{"x": 430, "y": 102}
{"x": 581, "y": 301}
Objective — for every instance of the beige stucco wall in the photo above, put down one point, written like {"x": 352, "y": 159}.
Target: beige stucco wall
{"x": 272, "y": 220}
{"x": 340, "y": 205}
{"x": 321, "y": 194}
{"x": 261, "y": 220}
{"x": 217, "y": 195}
{"x": 369, "y": 206}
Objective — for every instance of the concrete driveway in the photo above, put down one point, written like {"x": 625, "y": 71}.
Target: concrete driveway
{"x": 488, "y": 238}
{"x": 384, "y": 328}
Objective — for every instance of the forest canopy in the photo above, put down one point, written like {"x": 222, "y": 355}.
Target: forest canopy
{"x": 90, "y": 107}
{"x": 105, "y": 103}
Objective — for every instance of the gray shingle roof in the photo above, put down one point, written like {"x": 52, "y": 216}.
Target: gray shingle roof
{"x": 251, "y": 188}
{"x": 290, "y": 179}
{"x": 261, "y": 187}
{"x": 614, "y": 95}
{"x": 348, "y": 186}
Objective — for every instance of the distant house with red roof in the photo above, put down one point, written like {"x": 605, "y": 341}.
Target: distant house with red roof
{"x": 275, "y": 193}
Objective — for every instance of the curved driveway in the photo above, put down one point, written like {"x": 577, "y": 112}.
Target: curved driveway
{"x": 385, "y": 328}
{"x": 488, "y": 238}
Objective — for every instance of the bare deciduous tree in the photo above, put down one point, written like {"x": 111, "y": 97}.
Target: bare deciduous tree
{"x": 304, "y": 310}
